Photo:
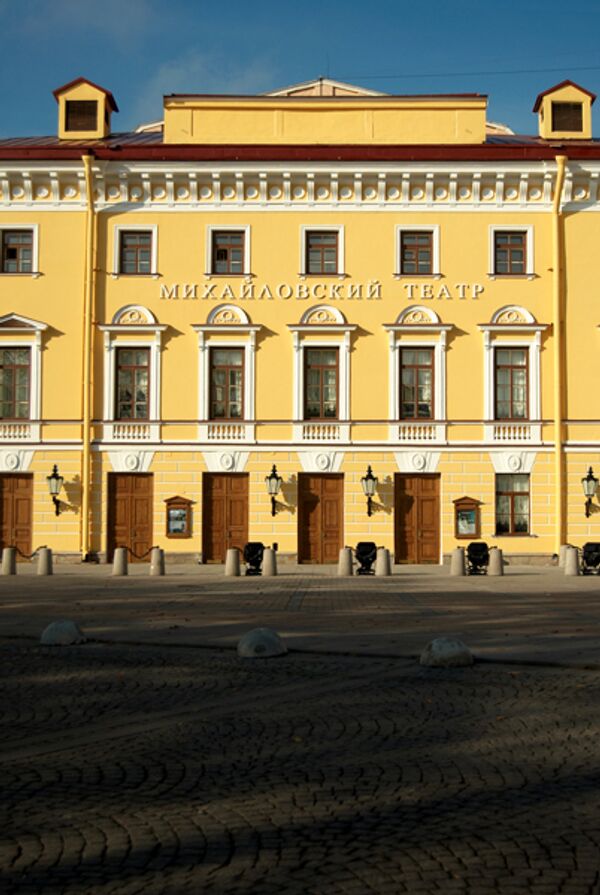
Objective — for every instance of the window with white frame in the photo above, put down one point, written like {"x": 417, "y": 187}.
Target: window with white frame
{"x": 322, "y": 251}
{"x": 19, "y": 249}
{"x": 417, "y": 369}
{"x": 132, "y": 368}
{"x": 226, "y": 392}
{"x": 135, "y": 251}
{"x": 20, "y": 375}
{"x": 512, "y": 369}
{"x": 511, "y": 252}
{"x": 228, "y": 251}
{"x": 417, "y": 251}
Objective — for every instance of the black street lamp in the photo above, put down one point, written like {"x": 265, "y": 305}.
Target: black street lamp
{"x": 369, "y": 486}
{"x": 273, "y": 483}
{"x": 55, "y": 483}
{"x": 590, "y": 488}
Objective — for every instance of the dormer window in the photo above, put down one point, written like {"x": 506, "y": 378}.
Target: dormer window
{"x": 81, "y": 115}
{"x": 567, "y": 117}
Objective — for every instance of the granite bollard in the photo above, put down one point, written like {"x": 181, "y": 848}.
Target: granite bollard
{"x": 232, "y": 562}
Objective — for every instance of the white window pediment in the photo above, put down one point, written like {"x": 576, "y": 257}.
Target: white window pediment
{"x": 18, "y": 323}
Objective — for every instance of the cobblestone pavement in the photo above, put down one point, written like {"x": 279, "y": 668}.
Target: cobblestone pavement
{"x": 173, "y": 770}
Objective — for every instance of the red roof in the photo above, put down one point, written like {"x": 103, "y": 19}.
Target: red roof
{"x": 566, "y": 83}
{"x": 149, "y": 147}
{"x": 107, "y": 93}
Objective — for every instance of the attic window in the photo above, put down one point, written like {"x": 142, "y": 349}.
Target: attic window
{"x": 81, "y": 115}
{"x": 567, "y": 117}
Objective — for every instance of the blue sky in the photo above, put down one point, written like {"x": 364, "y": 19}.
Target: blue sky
{"x": 141, "y": 49}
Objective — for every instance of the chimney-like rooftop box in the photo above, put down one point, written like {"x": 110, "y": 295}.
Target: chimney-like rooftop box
{"x": 565, "y": 112}
{"x": 84, "y": 110}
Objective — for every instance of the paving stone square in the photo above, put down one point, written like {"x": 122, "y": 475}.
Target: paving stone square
{"x": 158, "y": 766}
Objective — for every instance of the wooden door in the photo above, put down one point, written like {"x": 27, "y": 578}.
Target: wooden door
{"x": 16, "y": 508}
{"x": 224, "y": 514}
{"x": 130, "y": 514}
{"x": 417, "y": 518}
{"x": 320, "y": 517}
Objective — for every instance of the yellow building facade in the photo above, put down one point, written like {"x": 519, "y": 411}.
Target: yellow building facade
{"x": 333, "y": 282}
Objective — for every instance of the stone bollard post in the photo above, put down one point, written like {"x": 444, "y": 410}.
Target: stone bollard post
{"x": 382, "y": 563}
{"x": 345, "y": 562}
{"x": 157, "y": 561}
{"x": 232, "y": 562}
{"x": 269, "y": 563}
{"x": 572, "y": 561}
{"x": 496, "y": 563}
{"x": 457, "y": 561}
{"x": 44, "y": 561}
{"x": 120, "y": 561}
{"x": 562, "y": 555}
{"x": 9, "y": 561}
{"x": 388, "y": 562}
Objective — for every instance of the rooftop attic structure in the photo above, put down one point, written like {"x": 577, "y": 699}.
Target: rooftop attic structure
{"x": 84, "y": 110}
{"x": 565, "y": 112}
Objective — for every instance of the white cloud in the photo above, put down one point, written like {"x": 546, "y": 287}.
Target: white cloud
{"x": 197, "y": 72}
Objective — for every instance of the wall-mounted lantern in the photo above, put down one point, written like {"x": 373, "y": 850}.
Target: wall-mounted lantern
{"x": 590, "y": 489}
{"x": 369, "y": 486}
{"x": 273, "y": 483}
{"x": 55, "y": 483}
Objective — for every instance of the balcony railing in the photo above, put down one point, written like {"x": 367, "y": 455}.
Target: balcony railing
{"x": 512, "y": 432}
{"x": 322, "y": 433}
{"x": 128, "y": 431}
{"x": 21, "y": 430}
{"x": 226, "y": 431}
{"x": 417, "y": 432}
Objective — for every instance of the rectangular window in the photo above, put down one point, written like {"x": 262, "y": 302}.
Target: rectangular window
{"x": 15, "y": 378}
{"x": 567, "y": 117}
{"x": 512, "y": 504}
{"x": 81, "y": 115}
{"x": 416, "y": 252}
{"x": 17, "y": 251}
{"x": 321, "y": 252}
{"x": 510, "y": 252}
{"x": 321, "y": 383}
{"x": 511, "y": 372}
{"x": 227, "y": 251}
{"x": 135, "y": 252}
{"x": 133, "y": 384}
{"x": 226, "y": 383}
{"x": 416, "y": 383}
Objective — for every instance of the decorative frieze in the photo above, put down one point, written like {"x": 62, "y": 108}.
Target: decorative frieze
{"x": 182, "y": 187}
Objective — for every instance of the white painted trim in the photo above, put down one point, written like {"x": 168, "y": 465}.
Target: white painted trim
{"x": 439, "y": 344}
{"x": 142, "y": 228}
{"x": 35, "y": 248}
{"x": 246, "y": 340}
{"x": 434, "y": 229}
{"x": 343, "y": 347}
{"x": 232, "y": 228}
{"x": 512, "y": 228}
{"x": 341, "y": 258}
{"x": 32, "y": 426}
{"x": 111, "y": 344}
{"x": 532, "y": 341}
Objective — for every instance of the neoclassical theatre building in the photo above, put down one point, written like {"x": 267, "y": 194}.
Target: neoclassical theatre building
{"x": 309, "y": 318}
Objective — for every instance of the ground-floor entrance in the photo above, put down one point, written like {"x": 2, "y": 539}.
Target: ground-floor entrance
{"x": 417, "y": 518}
{"x": 16, "y": 512}
{"x": 130, "y": 514}
{"x": 320, "y": 517}
{"x": 224, "y": 514}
